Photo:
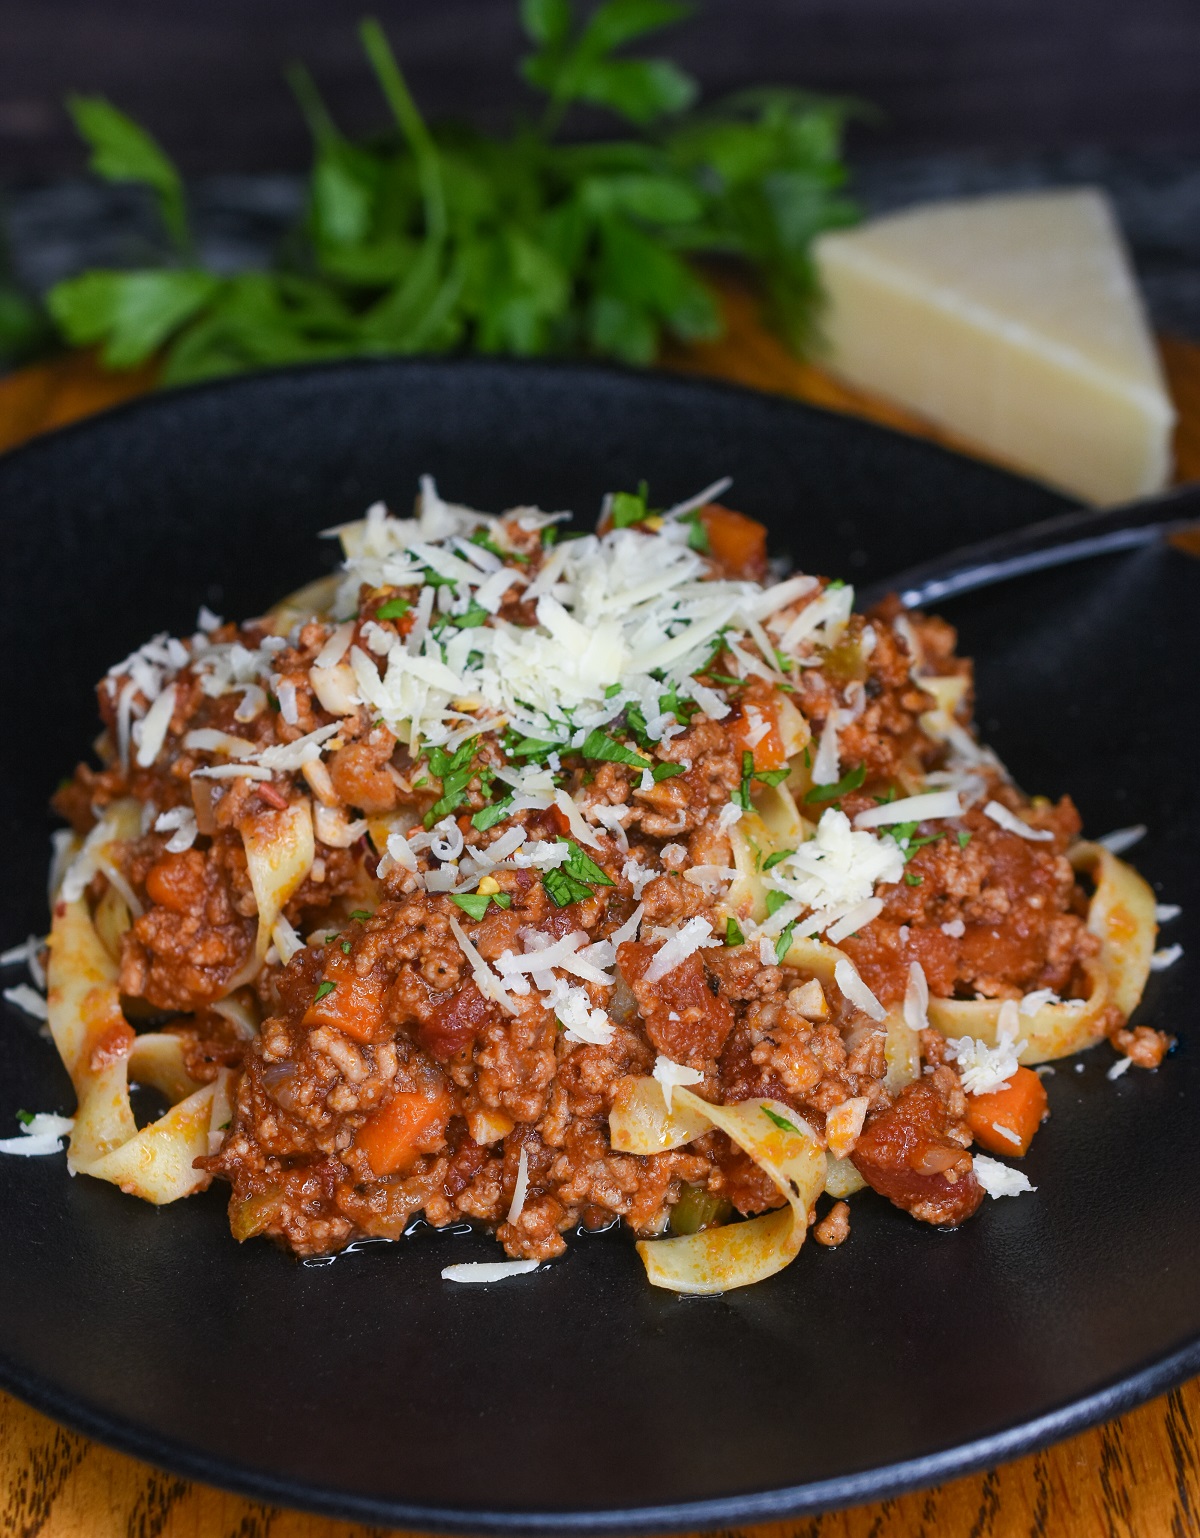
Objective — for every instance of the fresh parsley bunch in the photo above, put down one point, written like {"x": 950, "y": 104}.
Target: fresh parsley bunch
{"x": 441, "y": 240}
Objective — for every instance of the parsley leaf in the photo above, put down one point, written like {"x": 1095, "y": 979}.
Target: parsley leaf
{"x": 964, "y": 838}
{"x": 784, "y": 943}
{"x": 441, "y": 240}
{"x": 628, "y": 507}
{"x": 475, "y": 904}
{"x": 772, "y": 776}
{"x": 455, "y": 770}
{"x": 777, "y": 858}
{"x": 484, "y": 540}
{"x": 573, "y": 881}
{"x": 776, "y": 900}
{"x": 394, "y": 608}
{"x": 531, "y": 748}
{"x": 563, "y": 889}
{"x": 697, "y": 534}
{"x": 584, "y": 868}
{"x": 733, "y": 933}
{"x": 912, "y": 878}
{"x": 345, "y": 947}
{"x": 491, "y": 815}
{"x": 599, "y": 745}
{"x": 25, "y": 1118}
{"x": 848, "y": 782}
{"x": 666, "y": 771}
{"x": 780, "y": 1121}
{"x": 361, "y": 915}
{"x": 323, "y": 989}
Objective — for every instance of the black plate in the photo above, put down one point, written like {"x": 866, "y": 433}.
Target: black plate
{"x": 581, "y": 1398}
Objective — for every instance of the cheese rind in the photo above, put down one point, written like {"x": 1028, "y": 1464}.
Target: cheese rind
{"x": 1016, "y": 322}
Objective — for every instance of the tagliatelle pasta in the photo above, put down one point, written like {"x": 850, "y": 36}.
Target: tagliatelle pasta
{"x": 102, "y": 1054}
{"x": 544, "y": 881}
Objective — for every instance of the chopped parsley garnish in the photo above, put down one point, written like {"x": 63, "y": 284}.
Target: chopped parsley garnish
{"x": 475, "y": 904}
{"x": 666, "y": 771}
{"x": 697, "y": 534}
{"x": 741, "y": 796}
{"x": 635, "y": 722}
{"x": 484, "y": 540}
{"x": 784, "y": 944}
{"x": 573, "y": 881}
{"x": 549, "y": 535}
{"x": 733, "y": 933}
{"x": 491, "y": 815}
{"x": 727, "y": 679}
{"x": 671, "y": 704}
{"x": 612, "y": 691}
{"x": 25, "y": 1118}
{"x": 273, "y": 702}
{"x": 848, "y": 782}
{"x": 532, "y": 748}
{"x": 912, "y": 878}
{"x": 322, "y": 990}
{"x": 598, "y": 744}
{"x": 777, "y": 858}
{"x": 455, "y": 770}
{"x": 361, "y": 915}
{"x": 345, "y": 947}
{"x": 471, "y": 619}
{"x": 963, "y": 837}
{"x": 780, "y": 1121}
{"x": 395, "y": 608}
{"x": 904, "y": 834}
{"x": 776, "y": 900}
{"x": 630, "y": 507}
{"x": 562, "y": 888}
{"x": 584, "y": 868}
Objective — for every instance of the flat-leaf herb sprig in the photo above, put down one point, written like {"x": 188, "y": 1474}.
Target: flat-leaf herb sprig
{"x": 444, "y": 239}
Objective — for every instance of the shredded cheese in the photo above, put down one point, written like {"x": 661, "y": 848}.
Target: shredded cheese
{"x": 1000, "y": 1179}
{"x": 671, "y": 1075}
{"x": 1011, "y": 823}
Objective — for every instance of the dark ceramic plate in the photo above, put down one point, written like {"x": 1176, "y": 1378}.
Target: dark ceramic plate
{"x": 580, "y": 1398}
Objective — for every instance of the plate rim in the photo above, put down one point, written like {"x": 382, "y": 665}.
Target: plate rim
{"x": 685, "y": 382}
{"x": 1115, "y": 1398}
{"x": 1112, "y": 1398}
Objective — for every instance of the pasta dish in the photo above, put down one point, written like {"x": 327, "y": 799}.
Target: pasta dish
{"x": 548, "y": 880}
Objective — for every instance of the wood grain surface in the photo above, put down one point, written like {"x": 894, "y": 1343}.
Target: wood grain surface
{"x": 1137, "y": 1477}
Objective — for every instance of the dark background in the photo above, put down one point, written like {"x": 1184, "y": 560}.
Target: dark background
{"x": 949, "y": 75}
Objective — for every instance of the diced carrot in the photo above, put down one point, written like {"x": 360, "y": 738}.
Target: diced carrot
{"x": 1019, "y": 1109}
{"x": 354, "y": 1005}
{"x": 768, "y": 750}
{"x": 410, "y": 1124}
{"x": 737, "y": 542}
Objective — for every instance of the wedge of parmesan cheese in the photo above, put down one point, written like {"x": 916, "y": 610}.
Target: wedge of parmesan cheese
{"x": 1016, "y": 322}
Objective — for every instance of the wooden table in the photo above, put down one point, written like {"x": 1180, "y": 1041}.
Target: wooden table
{"x": 1137, "y": 1477}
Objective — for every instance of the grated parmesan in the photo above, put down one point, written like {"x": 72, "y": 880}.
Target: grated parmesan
{"x": 670, "y": 1075}
{"x": 487, "y": 1270}
{"x": 695, "y": 935}
{"x": 1000, "y": 1179}
{"x": 854, "y": 990}
{"x": 1011, "y": 823}
{"x": 517, "y": 1205}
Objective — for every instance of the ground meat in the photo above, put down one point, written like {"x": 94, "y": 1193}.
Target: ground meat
{"x": 389, "y": 1079}
{"x": 181, "y": 953}
{"x": 1144, "y": 1045}
{"x": 834, "y": 1227}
